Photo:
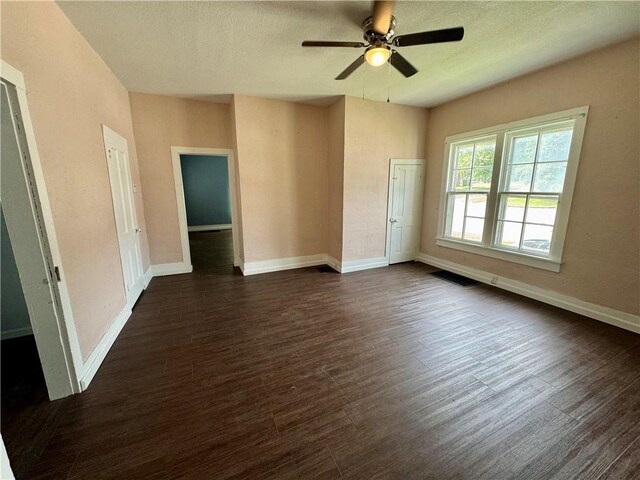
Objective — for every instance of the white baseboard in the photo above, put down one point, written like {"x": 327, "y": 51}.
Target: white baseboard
{"x": 17, "y": 332}
{"x": 205, "y": 228}
{"x": 625, "y": 320}
{"x": 170, "y": 269}
{"x": 148, "y": 275}
{"x": 5, "y": 467}
{"x": 364, "y": 264}
{"x": 278, "y": 264}
{"x": 335, "y": 264}
{"x": 100, "y": 351}
{"x": 266, "y": 266}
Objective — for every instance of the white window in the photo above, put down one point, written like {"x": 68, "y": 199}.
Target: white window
{"x": 507, "y": 189}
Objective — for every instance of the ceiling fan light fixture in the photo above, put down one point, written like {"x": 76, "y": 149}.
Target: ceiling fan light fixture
{"x": 376, "y": 56}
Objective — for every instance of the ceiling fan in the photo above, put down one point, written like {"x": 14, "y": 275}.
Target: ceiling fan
{"x": 379, "y": 30}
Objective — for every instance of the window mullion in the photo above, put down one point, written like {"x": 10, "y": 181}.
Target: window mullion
{"x": 464, "y": 215}
{"x": 488, "y": 234}
{"x": 524, "y": 219}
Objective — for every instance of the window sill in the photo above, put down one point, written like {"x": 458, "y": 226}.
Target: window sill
{"x": 523, "y": 259}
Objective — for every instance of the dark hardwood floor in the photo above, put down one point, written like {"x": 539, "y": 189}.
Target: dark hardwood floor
{"x": 27, "y": 414}
{"x": 385, "y": 373}
{"x": 211, "y": 249}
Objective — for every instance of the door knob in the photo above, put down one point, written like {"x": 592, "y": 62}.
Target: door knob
{"x": 392, "y": 220}
{"x": 138, "y": 229}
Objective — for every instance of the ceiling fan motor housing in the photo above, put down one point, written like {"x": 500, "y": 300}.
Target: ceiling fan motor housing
{"x": 374, "y": 38}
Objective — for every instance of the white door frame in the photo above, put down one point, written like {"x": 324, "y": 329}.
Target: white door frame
{"x": 182, "y": 207}
{"x": 392, "y": 163}
{"x": 53, "y": 327}
{"x": 111, "y": 137}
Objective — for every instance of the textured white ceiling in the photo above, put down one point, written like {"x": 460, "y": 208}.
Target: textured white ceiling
{"x": 209, "y": 50}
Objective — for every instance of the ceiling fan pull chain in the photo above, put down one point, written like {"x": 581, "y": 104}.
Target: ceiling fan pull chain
{"x": 388, "y": 79}
{"x": 364, "y": 67}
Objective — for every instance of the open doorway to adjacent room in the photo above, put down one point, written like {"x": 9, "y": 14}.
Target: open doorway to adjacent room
{"x": 40, "y": 356}
{"x": 205, "y": 181}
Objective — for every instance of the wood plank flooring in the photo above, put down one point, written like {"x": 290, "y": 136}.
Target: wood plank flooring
{"x": 385, "y": 373}
{"x": 211, "y": 249}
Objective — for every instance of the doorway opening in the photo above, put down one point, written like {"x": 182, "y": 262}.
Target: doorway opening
{"x": 41, "y": 357}
{"x": 205, "y": 190}
{"x": 23, "y": 384}
{"x": 404, "y": 209}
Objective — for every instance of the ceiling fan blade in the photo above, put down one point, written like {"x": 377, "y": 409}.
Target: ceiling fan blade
{"x": 382, "y": 12}
{"x": 351, "y": 68}
{"x": 402, "y": 65}
{"x": 313, "y": 43}
{"x": 434, "y": 36}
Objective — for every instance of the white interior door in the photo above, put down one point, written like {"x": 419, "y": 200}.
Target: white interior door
{"x": 124, "y": 208}
{"x": 406, "y": 186}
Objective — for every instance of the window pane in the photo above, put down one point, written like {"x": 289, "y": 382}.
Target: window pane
{"x": 554, "y": 146}
{"x": 524, "y": 149}
{"x": 461, "y": 179}
{"x": 481, "y": 178}
{"x": 473, "y": 229}
{"x": 456, "y": 215}
{"x": 512, "y": 207}
{"x": 477, "y": 205}
{"x": 537, "y": 238}
{"x": 509, "y": 234}
{"x": 463, "y": 156}
{"x": 519, "y": 179}
{"x": 549, "y": 177}
{"x": 542, "y": 209}
{"x": 484, "y": 154}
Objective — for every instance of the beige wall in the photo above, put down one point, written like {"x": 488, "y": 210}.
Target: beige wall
{"x": 160, "y": 122}
{"x": 601, "y": 256}
{"x": 336, "y": 178}
{"x": 71, "y": 92}
{"x": 374, "y": 133}
{"x": 282, "y": 151}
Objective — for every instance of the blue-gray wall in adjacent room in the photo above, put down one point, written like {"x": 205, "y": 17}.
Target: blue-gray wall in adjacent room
{"x": 206, "y": 189}
{"x": 15, "y": 317}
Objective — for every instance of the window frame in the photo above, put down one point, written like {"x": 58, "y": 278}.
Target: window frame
{"x": 503, "y": 133}
{"x": 449, "y": 192}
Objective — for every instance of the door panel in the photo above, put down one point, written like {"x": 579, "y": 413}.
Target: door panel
{"x": 124, "y": 209}
{"x": 406, "y": 187}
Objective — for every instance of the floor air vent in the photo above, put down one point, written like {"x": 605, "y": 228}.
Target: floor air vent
{"x": 454, "y": 278}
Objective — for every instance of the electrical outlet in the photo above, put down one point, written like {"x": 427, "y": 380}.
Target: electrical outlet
{"x": 494, "y": 280}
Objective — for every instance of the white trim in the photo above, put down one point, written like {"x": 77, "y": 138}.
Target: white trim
{"x": 5, "y": 466}
{"x": 335, "y": 264}
{"x": 179, "y": 189}
{"x": 148, "y": 275}
{"x": 364, "y": 264}
{"x": 392, "y": 163}
{"x": 523, "y": 259}
{"x": 99, "y": 353}
{"x": 525, "y": 122}
{"x": 278, "y": 264}
{"x": 290, "y": 263}
{"x": 13, "y": 75}
{"x": 502, "y": 135}
{"x": 625, "y": 320}
{"x": 176, "y": 268}
{"x": 238, "y": 262}
{"x": 66, "y": 340}
{"x": 17, "y": 332}
{"x": 206, "y": 228}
